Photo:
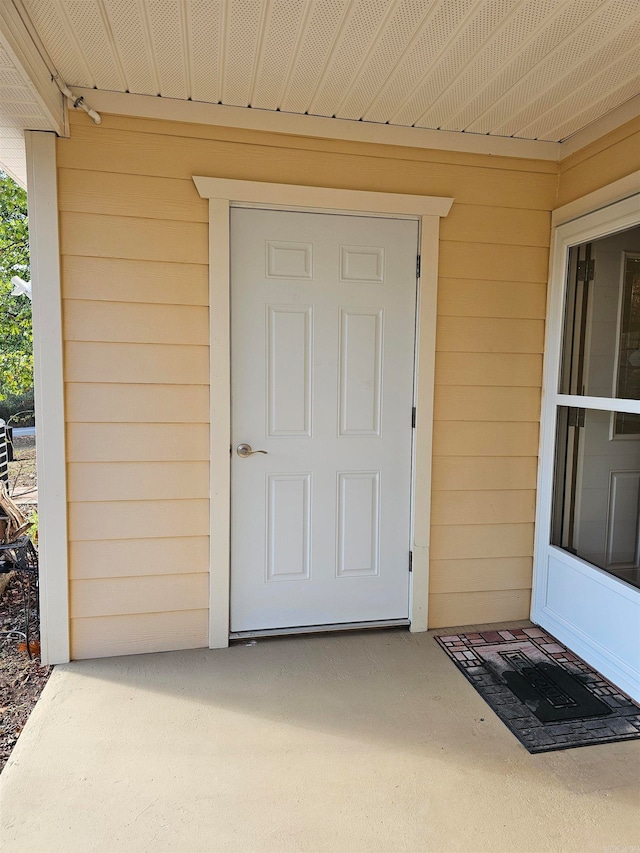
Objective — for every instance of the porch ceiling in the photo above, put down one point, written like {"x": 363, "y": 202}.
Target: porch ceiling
{"x": 530, "y": 69}
{"x": 17, "y": 111}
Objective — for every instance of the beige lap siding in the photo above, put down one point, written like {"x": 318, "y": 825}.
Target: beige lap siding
{"x": 604, "y": 161}
{"x": 135, "y": 288}
{"x": 134, "y": 246}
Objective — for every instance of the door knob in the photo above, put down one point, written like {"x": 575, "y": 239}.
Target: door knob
{"x": 244, "y": 450}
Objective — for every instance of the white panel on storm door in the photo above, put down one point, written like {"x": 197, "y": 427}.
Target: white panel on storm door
{"x": 322, "y": 332}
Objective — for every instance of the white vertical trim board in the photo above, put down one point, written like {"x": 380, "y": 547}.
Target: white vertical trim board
{"x": 49, "y": 395}
{"x": 220, "y": 429}
{"x": 596, "y": 223}
{"x": 222, "y": 194}
{"x": 423, "y": 435}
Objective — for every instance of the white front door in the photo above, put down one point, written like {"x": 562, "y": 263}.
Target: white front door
{"x": 323, "y": 327}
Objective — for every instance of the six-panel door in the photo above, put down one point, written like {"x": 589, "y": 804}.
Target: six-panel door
{"x": 323, "y": 327}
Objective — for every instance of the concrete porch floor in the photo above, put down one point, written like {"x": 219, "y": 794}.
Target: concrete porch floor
{"x": 349, "y": 742}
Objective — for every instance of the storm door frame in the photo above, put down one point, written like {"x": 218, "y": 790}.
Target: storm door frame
{"x": 606, "y": 658}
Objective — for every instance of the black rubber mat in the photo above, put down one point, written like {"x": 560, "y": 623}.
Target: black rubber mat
{"x": 547, "y": 696}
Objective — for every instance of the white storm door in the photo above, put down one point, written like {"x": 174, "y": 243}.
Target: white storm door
{"x": 322, "y": 353}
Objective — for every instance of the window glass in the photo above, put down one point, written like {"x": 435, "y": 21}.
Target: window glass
{"x": 601, "y": 351}
{"x": 628, "y": 379}
{"x": 596, "y": 506}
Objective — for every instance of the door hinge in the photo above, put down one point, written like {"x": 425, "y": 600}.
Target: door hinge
{"x": 586, "y": 270}
{"x": 418, "y": 267}
{"x": 413, "y": 418}
{"x": 576, "y": 417}
{"x": 410, "y": 561}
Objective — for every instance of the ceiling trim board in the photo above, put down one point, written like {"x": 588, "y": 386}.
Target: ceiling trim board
{"x": 600, "y": 127}
{"x": 197, "y": 112}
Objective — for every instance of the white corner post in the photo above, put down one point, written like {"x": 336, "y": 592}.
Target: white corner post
{"x": 42, "y": 194}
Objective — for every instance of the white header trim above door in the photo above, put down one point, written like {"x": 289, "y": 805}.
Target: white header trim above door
{"x": 325, "y": 198}
{"x": 222, "y": 194}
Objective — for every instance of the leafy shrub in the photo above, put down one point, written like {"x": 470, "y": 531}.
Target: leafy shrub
{"x": 18, "y": 409}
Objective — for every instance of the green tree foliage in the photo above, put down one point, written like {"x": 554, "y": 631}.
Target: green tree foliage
{"x": 16, "y": 337}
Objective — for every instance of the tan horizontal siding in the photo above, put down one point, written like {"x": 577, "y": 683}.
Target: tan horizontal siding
{"x": 493, "y": 261}
{"x": 471, "y": 473}
{"x": 468, "y": 608}
{"x": 118, "y": 280}
{"x": 460, "y": 297}
{"x": 104, "y": 636}
{"x": 134, "y": 238}
{"x": 608, "y": 159}
{"x": 480, "y": 575}
{"x": 136, "y": 557}
{"x": 137, "y": 481}
{"x": 483, "y": 507}
{"x": 131, "y": 152}
{"x": 99, "y": 402}
{"x": 147, "y": 594}
{"x": 489, "y": 334}
{"x": 164, "y": 364}
{"x": 100, "y": 236}
{"x": 482, "y": 403}
{"x": 518, "y": 370}
{"x": 123, "y": 442}
{"x": 485, "y": 438}
{"x": 482, "y": 224}
{"x": 127, "y": 322}
{"x": 463, "y": 541}
{"x": 88, "y": 191}
{"x": 138, "y": 519}
{"x": 356, "y": 149}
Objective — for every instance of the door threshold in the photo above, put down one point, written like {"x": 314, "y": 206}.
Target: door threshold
{"x": 320, "y": 629}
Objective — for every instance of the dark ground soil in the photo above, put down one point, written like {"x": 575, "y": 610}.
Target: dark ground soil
{"x": 21, "y": 678}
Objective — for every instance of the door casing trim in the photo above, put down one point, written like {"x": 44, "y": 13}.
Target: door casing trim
{"x": 224, "y": 194}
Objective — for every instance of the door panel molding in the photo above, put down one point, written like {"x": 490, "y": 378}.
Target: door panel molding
{"x": 222, "y": 195}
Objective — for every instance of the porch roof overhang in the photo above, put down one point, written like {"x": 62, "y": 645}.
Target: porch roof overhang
{"x": 522, "y": 78}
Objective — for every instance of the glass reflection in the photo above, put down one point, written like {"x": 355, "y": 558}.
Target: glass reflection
{"x": 601, "y": 353}
{"x": 597, "y": 493}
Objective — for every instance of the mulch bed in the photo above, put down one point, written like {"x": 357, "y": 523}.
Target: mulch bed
{"x": 21, "y": 679}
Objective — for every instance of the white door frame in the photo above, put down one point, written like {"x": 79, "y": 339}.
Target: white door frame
{"x": 577, "y": 226}
{"x": 225, "y": 193}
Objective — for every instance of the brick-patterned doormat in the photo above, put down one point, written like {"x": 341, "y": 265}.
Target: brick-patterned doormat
{"x": 547, "y": 696}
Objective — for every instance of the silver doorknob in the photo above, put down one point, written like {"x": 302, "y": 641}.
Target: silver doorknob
{"x": 244, "y": 450}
